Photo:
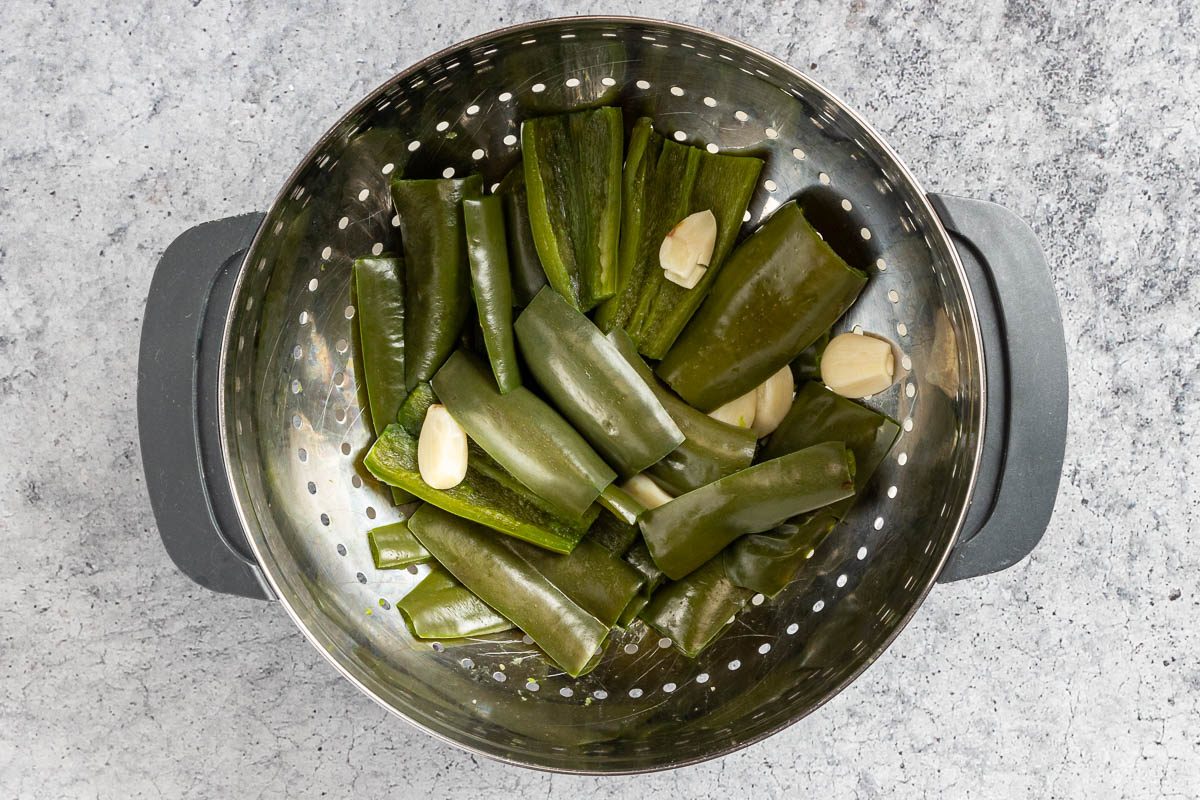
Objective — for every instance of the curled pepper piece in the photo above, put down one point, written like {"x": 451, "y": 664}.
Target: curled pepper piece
{"x": 439, "y": 607}
{"x": 393, "y": 546}
{"x": 694, "y": 527}
{"x": 599, "y": 582}
{"x": 693, "y": 611}
{"x": 594, "y": 386}
{"x": 573, "y": 184}
{"x": 663, "y": 183}
{"x": 778, "y": 292}
{"x": 768, "y": 562}
{"x": 621, "y": 504}
{"x": 524, "y": 435}
{"x": 528, "y": 277}
{"x": 379, "y": 301}
{"x": 567, "y": 633}
{"x": 438, "y": 280}
{"x": 414, "y": 408}
{"x": 710, "y": 450}
{"x": 487, "y": 251}
{"x": 480, "y": 498}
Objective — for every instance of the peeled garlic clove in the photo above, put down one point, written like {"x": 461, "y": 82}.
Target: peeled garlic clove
{"x": 773, "y": 399}
{"x": 442, "y": 449}
{"x": 689, "y": 244}
{"x": 686, "y": 281}
{"x": 646, "y": 491}
{"x": 854, "y": 365}
{"x": 738, "y": 411}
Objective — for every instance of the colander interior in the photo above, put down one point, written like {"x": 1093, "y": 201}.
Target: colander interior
{"x": 293, "y": 411}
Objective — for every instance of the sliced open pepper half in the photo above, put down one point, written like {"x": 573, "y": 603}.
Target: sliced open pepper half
{"x": 573, "y": 184}
{"x": 664, "y": 182}
{"x": 567, "y": 633}
{"x": 778, "y": 292}
{"x": 393, "y": 460}
{"x": 594, "y": 386}
{"x": 439, "y": 607}
{"x": 599, "y": 582}
{"x": 694, "y": 527}
{"x": 491, "y": 283}
{"x": 438, "y": 279}
{"x": 524, "y": 435}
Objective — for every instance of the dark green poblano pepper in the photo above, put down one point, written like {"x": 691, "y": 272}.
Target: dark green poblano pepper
{"x": 693, "y": 611}
{"x": 439, "y": 607}
{"x": 694, "y": 527}
{"x": 487, "y": 251}
{"x": 594, "y": 386}
{"x": 414, "y": 408}
{"x": 599, "y": 582}
{"x": 778, "y": 292}
{"x": 528, "y": 277}
{"x": 568, "y": 634}
{"x": 393, "y": 546}
{"x": 438, "y": 279}
{"x": 573, "y": 185}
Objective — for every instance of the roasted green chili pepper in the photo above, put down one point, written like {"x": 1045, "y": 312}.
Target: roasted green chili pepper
{"x": 528, "y": 277}
{"x": 438, "y": 283}
{"x": 488, "y": 253}
{"x": 393, "y": 546}
{"x": 780, "y": 290}
{"x": 379, "y": 300}
{"x": 524, "y": 435}
{"x": 599, "y": 582}
{"x": 573, "y": 182}
{"x": 393, "y": 460}
{"x": 612, "y": 534}
{"x": 570, "y": 636}
{"x": 439, "y": 607}
{"x": 593, "y": 385}
{"x": 807, "y": 365}
{"x": 414, "y": 408}
{"x": 621, "y": 504}
{"x": 710, "y": 450}
{"x": 693, "y": 611}
{"x": 694, "y": 527}
{"x": 767, "y": 562}
{"x": 664, "y": 182}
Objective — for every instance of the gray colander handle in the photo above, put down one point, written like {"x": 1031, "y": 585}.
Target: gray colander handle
{"x": 1025, "y": 357}
{"x": 177, "y": 406}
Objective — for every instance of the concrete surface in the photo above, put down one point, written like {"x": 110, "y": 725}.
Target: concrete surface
{"x": 1074, "y": 674}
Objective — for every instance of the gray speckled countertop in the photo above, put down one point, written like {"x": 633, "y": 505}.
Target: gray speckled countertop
{"x": 1073, "y": 674}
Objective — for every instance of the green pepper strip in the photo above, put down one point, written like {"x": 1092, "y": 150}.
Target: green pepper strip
{"x": 570, "y": 636}
{"x": 599, "y": 582}
{"x": 780, "y": 290}
{"x": 767, "y": 562}
{"x": 379, "y": 300}
{"x": 528, "y": 277}
{"x": 393, "y": 546}
{"x": 573, "y": 182}
{"x": 393, "y": 460}
{"x": 694, "y": 527}
{"x": 414, "y": 408}
{"x": 612, "y": 534}
{"x": 488, "y": 254}
{"x": 664, "y": 182}
{"x": 711, "y": 449}
{"x": 438, "y": 283}
{"x": 621, "y": 504}
{"x": 524, "y": 435}
{"x": 439, "y": 607}
{"x": 593, "y": 385}
{"x": 692, "y": 612}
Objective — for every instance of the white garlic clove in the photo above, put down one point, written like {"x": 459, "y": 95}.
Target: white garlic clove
{"x": 442, "y": 449}
{"x": 646, "y": 491}
{"x": 686, "y": 281}
{"x": 773, "y": 399}
{"x": 689, "y": 245}
{"x": 738, "y": 411}
{"x": 856, "y": 365}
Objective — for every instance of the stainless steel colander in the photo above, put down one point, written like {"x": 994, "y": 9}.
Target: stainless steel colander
{"x": 252, "y": 433}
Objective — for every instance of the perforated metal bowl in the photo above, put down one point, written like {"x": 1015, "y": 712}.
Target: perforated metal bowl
{"x": 252, "y": 428}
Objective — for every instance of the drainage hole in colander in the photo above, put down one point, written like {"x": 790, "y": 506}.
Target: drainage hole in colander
{"x": 905, "y": 362}
{"x": 325, "y": 519}
{"x": 339, "y": 378}
{"x": 504, "y": 97}
{"x": 438, "y": 647}
{"x": 824, "y": 178}
{"x": 600, "y": 694}
{"x": 312, "y": 488}
{"x": 442, "y": 126}
{"x": 841, "y": 580}
{"x": 567, "y": 691}
{"x": 467, "y": 663}
{"x": 770, "y": 185}
{"x": 702, "y": 677}
{"x": 893, "y": 295}
{"x": 741, "y": 116}
{"x": 303, "y": 317}
{"x": 901, "y": 329}
{"x": 878, "y": 524}
{"x": 472, "y": 110}
{"x": 572, "y": 83}
{"x": 532, "y": 685}
{"x": 764, "y": 648}
{"x": 791, "y": 629}
{"x": 891, "y": 492}
{"x": 538, "y": 88}
{"x": 295, "y": 420}
{"x": 364, "y": 194}
{"x": 643, "y": 85}
{"x": 302, "y": 454}
{"x": 345, "y": 445}
{"x": 499, "y": 677}
{"x": 635, "y": 693}
{"x": 312, "y": 285}
{"x": 370, "y": 512}
{"x": 664, "y": 643}
{"x": 771, "y": 133}
{"x": 361, "y": 578}
{"x": 478, "y": 153}
{"x": 669, "y": 687}
{"x": 341, "y": 549}
{"x": 296, "y": 386}
{"x": 798, "y": 154}
{"x": 341, "y": 345}
{"x": 902, "y": 459}
{"x": 734, "y": 665}
{"x": 386, "y": 606}
{"x": 387, "y": 168}
{"x": 712, "y": 148}
{"x": 340, "y": 416}
{"x": 377, "y": 249}
{"x": 680, "y": 136}
{"x": 343, "y": 222}
{"x": 356, "y": 481}
{"x": 908, "y": 424}
{"x": 297, "y": 352}
{"x": 757, "y": 599}
{"x": 847, "y": 205}
{"x": 862, "y": 553}
{"x": 631, "y": 648}
{"x": 510, "y": 140}
{"x": 527, "y": 639}
{"x": 817, "y": 606}
{"x": 448, "y": 172}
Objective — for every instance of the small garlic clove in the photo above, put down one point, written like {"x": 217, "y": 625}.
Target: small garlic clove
{"x": 773, "y": 399}
{"x": 686, "y": 281}
{"x": 442, "y": 449}
{"x": 739, "y": 411}
{"x": 646, "y": 491}
{"x": 856, "y": 365}
{"x": 689, "y": 244}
